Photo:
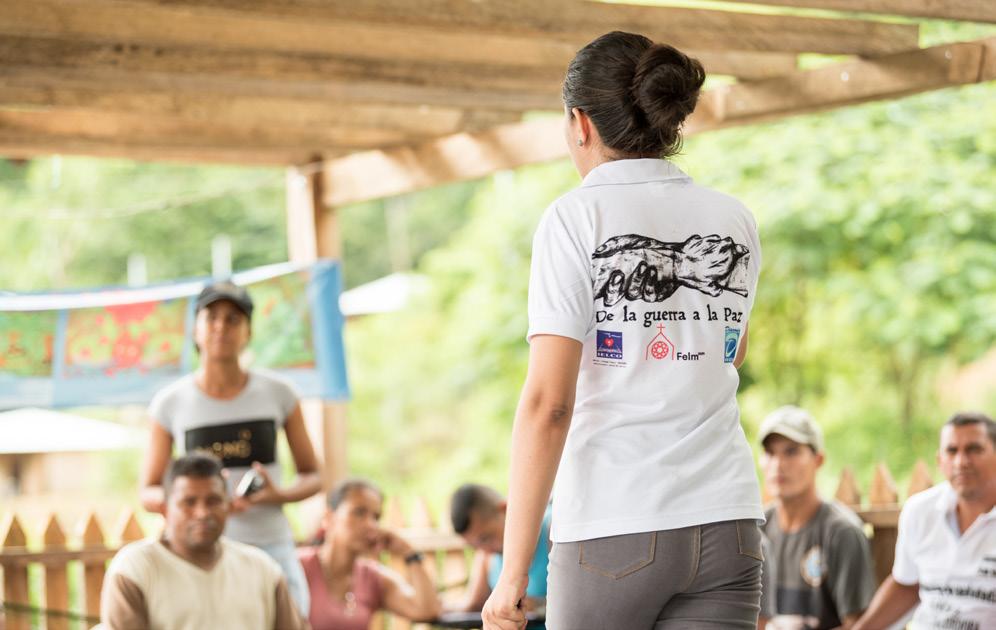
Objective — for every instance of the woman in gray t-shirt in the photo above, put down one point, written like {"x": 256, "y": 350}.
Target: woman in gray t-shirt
{"x": 235, "y": 414}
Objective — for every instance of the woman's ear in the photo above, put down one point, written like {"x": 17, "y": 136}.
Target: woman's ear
{"x": 581, "y": 124}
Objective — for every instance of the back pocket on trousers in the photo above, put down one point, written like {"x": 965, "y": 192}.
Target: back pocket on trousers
{"x": 618, "y": 556}
{"x": 749, "y": 539}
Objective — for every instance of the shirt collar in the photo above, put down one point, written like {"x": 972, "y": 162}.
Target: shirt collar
{"x": 947, "y": 500}
{"x": 636, "y": 171}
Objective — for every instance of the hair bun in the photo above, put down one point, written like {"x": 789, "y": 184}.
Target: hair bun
{"x": 666, "y": 85}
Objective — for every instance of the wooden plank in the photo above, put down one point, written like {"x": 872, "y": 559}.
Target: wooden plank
{"x": 883, "y": 489}
{"x": 968, "y": 10}
{"x": 459, "y": 157}
{"x": 375, "y": 174}
{"x": 454, "y": 30}
{"x": 93, "y": 571}
{"x": 56, "y": 579}
{"x": 15, "y": 576}
{"x": 846, "y": 83}
{"x": 282, "y": 74}
{"x": 45, "y": 92}
{"x": 137, "y": 130}
{"x": 23, "y": 148}
{"x": 883, "y": 547}
{"x": 23, "y": 557}
{"x": 847, "y": 489}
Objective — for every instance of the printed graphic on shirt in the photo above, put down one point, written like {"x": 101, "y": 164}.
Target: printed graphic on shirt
{"x": 635, "y": 267}
{"x": 236, "y": 444}
{"x": 731, "y": 337}
{"x": 662, "y": 348}
{"x": 811, "y": 566}
{"x": 609, "y": 345}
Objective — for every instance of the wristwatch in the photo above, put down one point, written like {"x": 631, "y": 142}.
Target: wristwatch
{"x": 413, "y": 557}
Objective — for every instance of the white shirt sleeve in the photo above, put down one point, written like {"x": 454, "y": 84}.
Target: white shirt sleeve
{"x": 560, "y": 291}
{"x": 904, "y": 569}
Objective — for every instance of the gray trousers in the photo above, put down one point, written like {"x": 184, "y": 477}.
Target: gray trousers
{"x": 707, "y": 576}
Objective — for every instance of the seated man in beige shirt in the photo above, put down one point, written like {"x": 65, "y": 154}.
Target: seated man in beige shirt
{"x": 193, "y": 578}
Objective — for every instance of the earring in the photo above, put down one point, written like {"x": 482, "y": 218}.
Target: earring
{"x": 580, "y": 142}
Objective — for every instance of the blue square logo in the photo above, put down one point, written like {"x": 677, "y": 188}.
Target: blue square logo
{"x": 608, "y": 345}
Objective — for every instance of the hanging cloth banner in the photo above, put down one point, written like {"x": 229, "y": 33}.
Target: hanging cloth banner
{"x": 117, "y": 346}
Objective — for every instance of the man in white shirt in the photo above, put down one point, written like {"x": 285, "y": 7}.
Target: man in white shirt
{"x": 192, "y": 578}
{"x": 946, "y": 550}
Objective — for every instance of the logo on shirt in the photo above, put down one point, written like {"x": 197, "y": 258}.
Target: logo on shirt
{"x": 632, "y": 267}
{"x": 609, "y": 345}
{"x": 811, "y": 566}
{"x": 660, "y": 347}
{"x": 730, "y": 340}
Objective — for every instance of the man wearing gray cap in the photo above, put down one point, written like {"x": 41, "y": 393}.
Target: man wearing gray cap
{"x": 821, "y": 556}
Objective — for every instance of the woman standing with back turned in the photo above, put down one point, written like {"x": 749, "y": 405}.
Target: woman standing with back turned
{"x": 640, "y": 290}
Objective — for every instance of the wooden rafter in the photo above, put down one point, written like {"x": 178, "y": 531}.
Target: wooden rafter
{"x": 968, "y": 10}
{"x": 283, "y": 74}
{"x": 44, "y": 92}
{"x": 383, "y": 173}
{"x": 520, "y": 31}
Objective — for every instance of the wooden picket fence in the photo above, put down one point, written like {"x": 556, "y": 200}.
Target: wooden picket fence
{"x": 80, "y": 564}
{"x": 447, "y": 556}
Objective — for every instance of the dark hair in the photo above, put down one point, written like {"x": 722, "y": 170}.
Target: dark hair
{"x": 974, "y": 417}
{"x": 342, "y": 489}
{"x": 196, "y": 465}
{"x": 636, "y": 92}
{"x": 468, "y": 499}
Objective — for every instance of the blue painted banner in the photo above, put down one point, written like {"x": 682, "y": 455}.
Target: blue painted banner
{"x": 116, "y": 346}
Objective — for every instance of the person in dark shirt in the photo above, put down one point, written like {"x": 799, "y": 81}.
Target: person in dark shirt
{"x": 821, "y": 557}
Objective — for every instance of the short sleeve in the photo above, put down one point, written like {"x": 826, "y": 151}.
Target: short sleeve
{"x": 287, "y": 397}
{"x": 560, "y": 292}
{"x": 159, "y": 409}
{"x": 904, "y": 569}
{"x": 852, "y": 581}
{"x": 755, "y": 258}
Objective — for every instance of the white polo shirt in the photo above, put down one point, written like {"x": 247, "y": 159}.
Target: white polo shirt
{"x": 656, "y": 277}
{"x": 956, "y": 571}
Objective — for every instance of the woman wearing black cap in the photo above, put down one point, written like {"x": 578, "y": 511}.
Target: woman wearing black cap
{"x": 640, "y": 290}
{"x": 235, "y": 414}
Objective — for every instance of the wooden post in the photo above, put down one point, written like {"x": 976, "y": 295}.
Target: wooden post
{"x": 847, "y": 490}
{"x": 93, "y": 571}
{"x": 15, "y": 576}
{"x": 56, "y": 581}
{"x": 312, "y": 233}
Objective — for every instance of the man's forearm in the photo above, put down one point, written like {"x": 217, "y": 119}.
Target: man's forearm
{"x": 891, "y": 602}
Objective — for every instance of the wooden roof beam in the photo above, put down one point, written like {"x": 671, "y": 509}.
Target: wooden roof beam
{"x": 136, "y": 131}
{"x": 847, "y": 83}
{"x": 40, "y": 91}
{"x": 521, "y": 32}
{"x": 266, "y": 73}
{"x": 967, "y": 10}
{"x": 375, "y": 174}
{"x": 20, "y": 147}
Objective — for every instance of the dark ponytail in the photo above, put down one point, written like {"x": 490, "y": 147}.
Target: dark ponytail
{"x": 637, "y": 93}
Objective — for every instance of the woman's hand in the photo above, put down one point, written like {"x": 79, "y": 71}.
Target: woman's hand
{"x": 502, "y": 610}
{"x": 269, "y": 494}
{"x": 392, "y": 543}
